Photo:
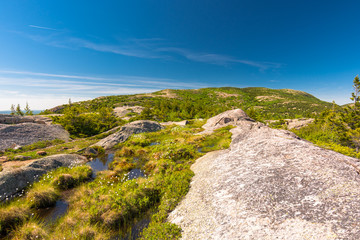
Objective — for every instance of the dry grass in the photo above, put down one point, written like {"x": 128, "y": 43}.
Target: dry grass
{"x": 31, "y": 230}
{"x": 42, "y": 195}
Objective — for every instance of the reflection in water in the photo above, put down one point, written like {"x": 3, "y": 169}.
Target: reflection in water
{"x": 101, "y": 163}
{"x": 50, "y": 214}
{"x": 133, "y": 232}
{"x": 135, "y": 173}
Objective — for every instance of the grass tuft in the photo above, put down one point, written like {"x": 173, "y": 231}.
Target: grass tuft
{"x": 30, "y": 231}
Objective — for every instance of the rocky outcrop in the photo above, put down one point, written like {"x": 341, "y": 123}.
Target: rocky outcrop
{"x": 13, "y": 119}
{"x": 126, "y": 131}
{"x": 271, "y": 185}
{"x": 181, "y": 123}
{"x": 122, "y": 111}
{"x": 231, "y": 117}
{"x": 28, "y": 133}
{"x": 294, "y": 123}
{"x": 13, "y": 181}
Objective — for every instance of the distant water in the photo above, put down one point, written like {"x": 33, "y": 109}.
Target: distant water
{"x": 8, "y": 112}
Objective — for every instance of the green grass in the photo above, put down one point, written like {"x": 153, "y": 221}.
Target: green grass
{"x": 41, "y": 194}
{"x": 110, "y": 204}
{"x": 34, "y": 146}
{"x": 60, "y": 148}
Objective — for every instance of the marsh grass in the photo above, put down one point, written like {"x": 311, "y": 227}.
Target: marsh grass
{"x": 107, "y": 206}
{"x": 31, "y": 230}
{"x": 60, "y": 148}
{"x": 41, "y": 194}
{"x": 12, "y": 215}
{"x": 113, "y": 202}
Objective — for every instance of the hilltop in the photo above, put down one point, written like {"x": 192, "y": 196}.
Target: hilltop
{"x": 176, "y": 105}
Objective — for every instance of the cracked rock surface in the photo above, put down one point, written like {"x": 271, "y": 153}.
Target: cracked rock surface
{"x": 271, "y": 185}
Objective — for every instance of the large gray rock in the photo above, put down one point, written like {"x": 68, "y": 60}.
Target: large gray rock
{"x": 28, "y": 133}
{"x": 13, "y": 119}
{"x": 231, "y": 117}
{"x": 271, "y": 185}
{"x": 13, "y": 181}
{"x": 126, "y": 131}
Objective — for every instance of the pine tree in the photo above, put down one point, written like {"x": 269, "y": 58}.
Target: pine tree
{"x": 355, "y": 95}
{"x": 27, "y": 110}
{"x": 12, "y": 109}
{"x": 18, "y": 110}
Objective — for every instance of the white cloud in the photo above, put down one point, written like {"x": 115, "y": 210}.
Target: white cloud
{"x": 217, "y": 59}
{"x": 40, "y": 27}
{"x": 44, "y": 90}
{"x": 151, "y": 48}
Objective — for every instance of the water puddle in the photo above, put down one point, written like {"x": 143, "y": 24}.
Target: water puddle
{"x": 201, "y": 149}
{"x": 101, "y": 163}
{"x": 135, "y": 173}
{"x": 154, "y": 143}
{"x": 133, "y": 232}
{"x": 51, "y": 214}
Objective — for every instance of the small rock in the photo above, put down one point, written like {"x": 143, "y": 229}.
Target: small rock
{"x": 90, "y": 151}
{"x": 21, "y": 157}
{"x": 16, "y": 147}
{"x": 41, "y": 153}
{"x": 3, "y": 159}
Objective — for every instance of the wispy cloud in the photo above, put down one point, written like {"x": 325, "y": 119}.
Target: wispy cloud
{"x": 148, "y": 48}
{"x": 218, "y": 59}
{"x": 40, "y": 27}
{"x": 133, "y": 50}
{"x": 129, "y": 81}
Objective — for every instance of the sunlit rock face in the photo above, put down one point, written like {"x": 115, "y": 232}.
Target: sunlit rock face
{"x": 14, "y": 180}
{"x": 127, "y": 130}
{"x": 271, "y": 185}
{"x": 28, "y": 133}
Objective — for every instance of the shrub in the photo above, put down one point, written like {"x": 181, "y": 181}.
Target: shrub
{"x": 163, "y": 231}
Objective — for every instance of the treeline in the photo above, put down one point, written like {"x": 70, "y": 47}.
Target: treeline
{"x": 337, "y": 129}
{"x": 19, "y": 112}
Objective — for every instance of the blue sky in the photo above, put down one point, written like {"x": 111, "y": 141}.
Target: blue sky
{"x": 51, "y": 51}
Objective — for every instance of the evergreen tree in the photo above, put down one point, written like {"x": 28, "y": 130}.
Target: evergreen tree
{"x": 12, "y": 109}
{"x": 355, "y": 95}
{"x": 18, "y": 110}
{"x": 27, "y": 110}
